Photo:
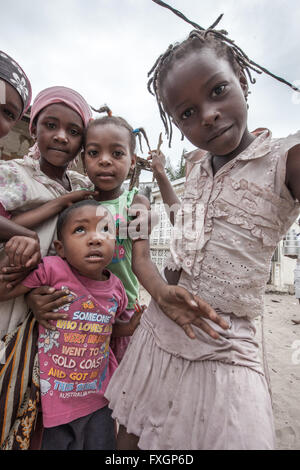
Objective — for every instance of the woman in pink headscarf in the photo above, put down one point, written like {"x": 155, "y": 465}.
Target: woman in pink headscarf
{"x": 33, "y": 190}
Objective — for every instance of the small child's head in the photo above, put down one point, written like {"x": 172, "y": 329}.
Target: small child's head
{"x": 201, "y": 86}
{"x": 86, "y": 237}
{"x": 59, "y": 116}
{"x": 109, "y": 152}
{"x": 15, "y": 93}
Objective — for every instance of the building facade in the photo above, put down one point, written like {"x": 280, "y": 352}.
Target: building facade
{"x": 161, "y": 233}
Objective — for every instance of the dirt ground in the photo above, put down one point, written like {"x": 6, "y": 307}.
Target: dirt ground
{"x": 282, "y": 342}
{"x": 282, "y": 338}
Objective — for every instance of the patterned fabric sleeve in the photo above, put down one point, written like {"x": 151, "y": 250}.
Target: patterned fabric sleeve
{"x": 79, "y": 181}
{"x": 13, "y": 190}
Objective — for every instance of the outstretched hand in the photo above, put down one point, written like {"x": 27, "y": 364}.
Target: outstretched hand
{"x": 76, "y": 196}
{"x": 136, "y": 317}
{"x": 187, "y": 309}
{"x": 158, "y": 161}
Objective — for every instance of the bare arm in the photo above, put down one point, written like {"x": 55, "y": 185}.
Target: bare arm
{"x": 293, "y": 171}
{"x": 35, "y": 217}
{"x": 6, "y": 294}
{"x": 122, "y": 328}
{"x": 10, "y": 228}
{"x": 175, "y": 302}
{"x": 168, "y": 194}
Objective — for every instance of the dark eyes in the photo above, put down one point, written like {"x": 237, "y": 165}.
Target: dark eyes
{"x": 216, "y": 92}
{"x": 79, "y": 229}
{"x": 118, "y": 153}
{"x": 9, "y": 114}
{"x": 74, "y": 132}
{"x": 187, "y": 114}
{"x": 52, "y": 126}
{"x": 92, "y": 153}
{"x": 219, "y": 90}
{"x": 115, "y": 154}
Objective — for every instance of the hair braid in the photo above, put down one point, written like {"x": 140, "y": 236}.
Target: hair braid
{"x": 210, "y": 37}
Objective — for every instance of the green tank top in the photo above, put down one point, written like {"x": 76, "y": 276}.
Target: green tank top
{"x": 121, "y": 262}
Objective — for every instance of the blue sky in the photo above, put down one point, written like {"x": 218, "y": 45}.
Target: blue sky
{"x": 104, "y": 49}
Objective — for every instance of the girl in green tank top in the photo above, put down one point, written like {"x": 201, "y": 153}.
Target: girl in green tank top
{"x": 121, "y": 263}
{"x": 109, "y": 155}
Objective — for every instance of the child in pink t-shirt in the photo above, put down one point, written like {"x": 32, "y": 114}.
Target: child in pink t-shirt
{"x": 76, "y": 362}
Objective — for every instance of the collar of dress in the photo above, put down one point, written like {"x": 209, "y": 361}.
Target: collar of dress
{"x": 257, "y": 149}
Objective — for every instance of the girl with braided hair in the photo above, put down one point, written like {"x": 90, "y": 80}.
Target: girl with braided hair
{"x": 109, "y": 155}
{"x": 172, "y": 392}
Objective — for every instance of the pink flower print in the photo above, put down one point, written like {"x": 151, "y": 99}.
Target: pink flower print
{"x": 121, "y": 252}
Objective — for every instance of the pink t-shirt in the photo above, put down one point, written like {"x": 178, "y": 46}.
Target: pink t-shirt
{"x": 76, "y": 362}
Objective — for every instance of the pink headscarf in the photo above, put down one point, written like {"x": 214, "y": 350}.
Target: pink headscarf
{"x": 61, "y": 94}
{"x": 58, "y": 94}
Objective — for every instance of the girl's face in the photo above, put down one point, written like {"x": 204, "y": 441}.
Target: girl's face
{"x": 88, "y": 241}
{"x": 107, "y": 157}
{"x": 10, "y": 107}
{"x": 206, "y": 100}
{"x": 59, "y": 132}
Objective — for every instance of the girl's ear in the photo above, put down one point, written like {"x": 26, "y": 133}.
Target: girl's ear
{"x": 133, "y": 161}
{"x": 33, "y": 131}
{"x": 59, "y": 248}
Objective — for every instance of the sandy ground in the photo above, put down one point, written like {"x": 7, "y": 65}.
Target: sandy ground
{"x": 282, "y": 338}
{"x": 282, "y": 341}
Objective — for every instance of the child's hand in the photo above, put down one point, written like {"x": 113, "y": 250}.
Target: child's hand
{"x": 158, "y": 162}
{"x": 13, "y": 275}
{"x": 186, "y": 309}
{"x": 43, "y": 300}
{"x": 23, "y": 251}
{"x": 70, "y": 198}
{"x": 135, "y": 319}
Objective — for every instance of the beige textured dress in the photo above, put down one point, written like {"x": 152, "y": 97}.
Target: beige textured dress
{"x": 177, "y": 393}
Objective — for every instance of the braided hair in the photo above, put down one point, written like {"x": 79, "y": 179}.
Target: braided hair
{"x": 119, "y": 121}
{"x": 198, "y": 39}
